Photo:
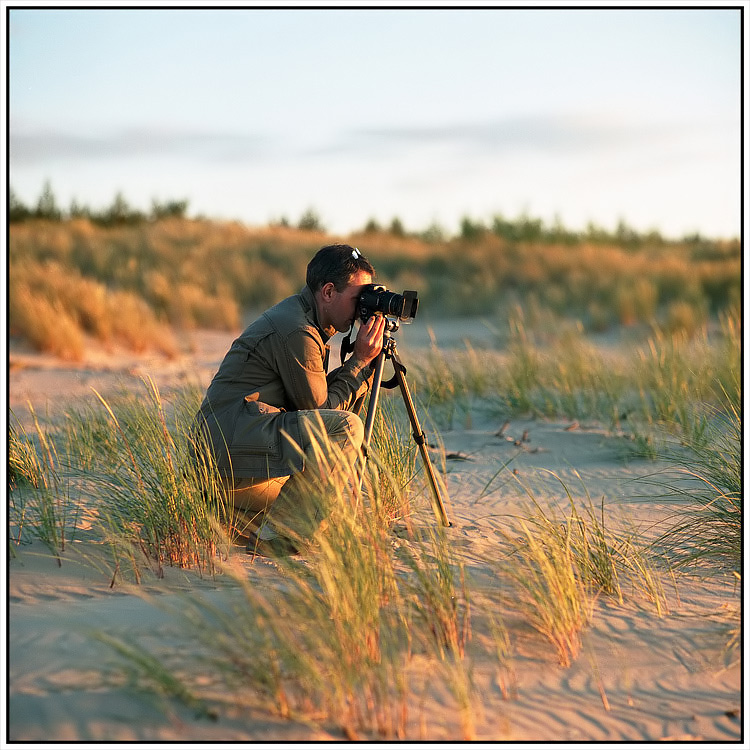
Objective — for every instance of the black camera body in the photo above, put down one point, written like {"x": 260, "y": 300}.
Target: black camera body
{"x": 375, "y": 298}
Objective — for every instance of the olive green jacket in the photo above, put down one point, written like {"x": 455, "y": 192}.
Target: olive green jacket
{"x": 275, "y": 368}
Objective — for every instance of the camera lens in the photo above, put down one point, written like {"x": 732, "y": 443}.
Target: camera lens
{"x": 376, "y": 298}
{"x": 392, "y": 304}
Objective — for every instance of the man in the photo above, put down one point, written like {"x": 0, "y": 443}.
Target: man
{"x": 272, "y": 414}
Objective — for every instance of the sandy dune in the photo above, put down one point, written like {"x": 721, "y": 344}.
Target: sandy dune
{"x": 640, "y": 678}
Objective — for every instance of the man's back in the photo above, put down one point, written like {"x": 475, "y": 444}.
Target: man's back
{"x": 262, "y": 361}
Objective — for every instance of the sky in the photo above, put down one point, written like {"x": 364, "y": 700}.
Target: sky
{"x": 577, "y": 115}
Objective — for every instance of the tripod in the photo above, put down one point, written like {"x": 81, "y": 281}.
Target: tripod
{"x": 389, "y": 352}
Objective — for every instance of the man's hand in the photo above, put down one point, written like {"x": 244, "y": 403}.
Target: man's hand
{"x": 369, "y": 341}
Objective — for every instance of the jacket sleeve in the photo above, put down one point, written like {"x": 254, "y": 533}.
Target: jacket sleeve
{"x": 304, "y": 377}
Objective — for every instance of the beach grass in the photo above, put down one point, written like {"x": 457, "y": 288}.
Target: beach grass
{"x": 331, "y": 641}
{"x": 642, "y": 390}
{"x": 561, "y": 565}
{"x": 551, "y": 595}
{"x": 619, "y": 564}
{"x": 335, "y": 640}
{"x": 560, "y": 562}
{"x": 706, "y": 479}
{"x": 157, "y": 497}
{"x": 40, "y": 506}
{"x": 393, "y": 457}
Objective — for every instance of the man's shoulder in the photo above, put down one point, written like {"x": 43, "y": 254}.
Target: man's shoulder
{"x": 290, "y": 316}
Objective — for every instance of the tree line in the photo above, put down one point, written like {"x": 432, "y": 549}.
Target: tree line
{"x": 118, "y": 212}
{"x": 521, "y": 229}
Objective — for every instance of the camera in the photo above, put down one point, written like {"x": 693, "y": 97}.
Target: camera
{"x": 375, "y": 298}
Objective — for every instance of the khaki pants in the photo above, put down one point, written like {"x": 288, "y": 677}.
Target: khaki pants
{"x": 294, "y": 506}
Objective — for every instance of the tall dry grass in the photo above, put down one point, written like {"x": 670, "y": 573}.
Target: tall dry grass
{"x": 393, "y": 457}
{"x": 191, "y": 273}
{"x": 161, "y": 499}
{"x": 54, "y": 307}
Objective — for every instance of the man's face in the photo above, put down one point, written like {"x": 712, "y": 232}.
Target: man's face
{"x": 339, "y": 309}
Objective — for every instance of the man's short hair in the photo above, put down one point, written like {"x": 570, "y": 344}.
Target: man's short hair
{"x": 336, "y": 263}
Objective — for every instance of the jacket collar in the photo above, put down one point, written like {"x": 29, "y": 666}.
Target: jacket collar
{"x": 311, "y": 312}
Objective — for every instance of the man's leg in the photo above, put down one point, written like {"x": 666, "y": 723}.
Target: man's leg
{"x": 332, "y": 440}
{"x": 251, "y": 499}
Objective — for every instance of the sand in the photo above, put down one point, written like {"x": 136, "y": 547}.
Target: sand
{"x": 641, "y": 678}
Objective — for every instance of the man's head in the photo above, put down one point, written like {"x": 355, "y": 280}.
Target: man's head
{"x": 337, "y": 264}
{"x": 336, "y": 276}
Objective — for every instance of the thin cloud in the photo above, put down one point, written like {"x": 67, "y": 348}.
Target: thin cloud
{"x": 43, "y": 146}
{"x": 548, "y": 135}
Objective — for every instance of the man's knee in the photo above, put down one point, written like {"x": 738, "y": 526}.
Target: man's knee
{"x": 342, "y": 428}
{"x": 353, "y": 428}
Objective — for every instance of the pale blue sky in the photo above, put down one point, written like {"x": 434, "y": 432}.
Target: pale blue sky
{"x": 428, "y": 115}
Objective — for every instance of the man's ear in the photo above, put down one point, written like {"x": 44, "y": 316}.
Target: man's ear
{"x": 327, "y": 290}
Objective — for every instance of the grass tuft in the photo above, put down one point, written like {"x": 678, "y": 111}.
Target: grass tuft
{"x": 155, "y": 503}
{"x": 708, "y": 478}
{"x": 40, "y": 506}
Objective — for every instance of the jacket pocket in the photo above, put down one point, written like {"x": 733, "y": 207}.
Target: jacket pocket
{"x": 266, "y": 441}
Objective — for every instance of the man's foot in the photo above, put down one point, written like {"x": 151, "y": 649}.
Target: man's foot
{"x": 267, "y": 544}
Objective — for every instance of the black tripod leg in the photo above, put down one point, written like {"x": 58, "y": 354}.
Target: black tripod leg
{"x": 421, "y": 441}
{"x": 370, "y": 419}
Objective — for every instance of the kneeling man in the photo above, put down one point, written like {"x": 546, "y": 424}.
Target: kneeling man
{"x": 276, "y": 421}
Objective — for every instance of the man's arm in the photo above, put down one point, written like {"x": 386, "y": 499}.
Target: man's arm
{"x": 300, "y": 365}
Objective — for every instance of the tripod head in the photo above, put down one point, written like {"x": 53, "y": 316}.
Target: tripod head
{"x": 392, "y": 325}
